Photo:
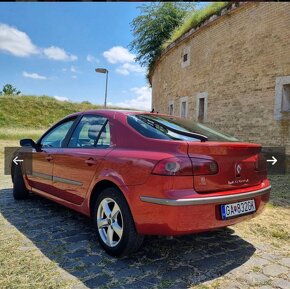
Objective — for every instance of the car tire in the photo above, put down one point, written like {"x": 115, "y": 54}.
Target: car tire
{"x": 114, "y": 224}
{"x": 19, "y": 190}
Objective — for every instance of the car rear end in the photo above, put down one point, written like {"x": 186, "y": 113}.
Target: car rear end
{"x": 214, "y": 184}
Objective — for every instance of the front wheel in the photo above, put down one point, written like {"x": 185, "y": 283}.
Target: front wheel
{"x": 19, "y": 189}
{"x": 115, "y": 225}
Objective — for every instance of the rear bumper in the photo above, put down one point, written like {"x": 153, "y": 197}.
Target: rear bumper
{"x": 192, "y": 212}
{"x": 206, "y": 200}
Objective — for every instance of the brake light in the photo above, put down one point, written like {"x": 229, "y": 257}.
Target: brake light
{"x": 261, "y": 163}
{"x": 204, "y": 167}
{"x": 173, "y": 167}
{"x": 183, "y": 166}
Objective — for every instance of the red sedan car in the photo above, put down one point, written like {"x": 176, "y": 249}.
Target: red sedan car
{"x": 139, "y": 174}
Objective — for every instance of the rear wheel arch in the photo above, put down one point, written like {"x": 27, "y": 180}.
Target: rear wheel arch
{"x": 98, "y": 188}
{"x": 115, "y": 226}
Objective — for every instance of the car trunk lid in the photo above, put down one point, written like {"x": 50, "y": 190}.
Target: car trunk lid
{"x": 237, "y": 165}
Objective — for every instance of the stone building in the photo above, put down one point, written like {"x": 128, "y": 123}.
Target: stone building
{"x": 232, "y": 73}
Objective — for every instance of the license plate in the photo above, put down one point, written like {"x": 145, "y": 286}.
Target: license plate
{"x": 237, "y": 209}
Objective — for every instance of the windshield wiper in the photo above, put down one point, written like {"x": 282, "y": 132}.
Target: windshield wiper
{"x": 153, "y": 123}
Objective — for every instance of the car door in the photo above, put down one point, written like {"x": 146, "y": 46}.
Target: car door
{"x": 43, "y": 160}
{"x": 76, "y": 164}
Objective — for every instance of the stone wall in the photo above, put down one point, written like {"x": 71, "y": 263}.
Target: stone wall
{"x": 238, "y": 62}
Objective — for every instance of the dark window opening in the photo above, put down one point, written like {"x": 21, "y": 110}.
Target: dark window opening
{"x": 286, "y": 98}
{"x": 185, "y": 57}
{"x": 201, "y": 109}
{"x": 171, "y": 109}
{"x": 183, "y": 109}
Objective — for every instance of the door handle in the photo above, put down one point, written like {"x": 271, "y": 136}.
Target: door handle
{"x": 90, "y": 162}
{"x": 49, "y": 158}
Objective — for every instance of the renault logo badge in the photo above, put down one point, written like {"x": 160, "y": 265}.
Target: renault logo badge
{"x": 238, "y": 170}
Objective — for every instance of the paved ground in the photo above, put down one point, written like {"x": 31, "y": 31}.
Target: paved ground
{"x": 63, "y": 245}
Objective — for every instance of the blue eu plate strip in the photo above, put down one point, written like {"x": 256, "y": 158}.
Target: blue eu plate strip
{"x": 223, "y": 212}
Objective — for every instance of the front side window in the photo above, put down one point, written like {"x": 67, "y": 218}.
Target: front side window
{"x": 174, "y": 128}
{"x": 57, "y": 135}
{"x": 91, "y": 132}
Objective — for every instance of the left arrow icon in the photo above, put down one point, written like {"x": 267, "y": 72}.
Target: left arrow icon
{"x": 16, "y": 160}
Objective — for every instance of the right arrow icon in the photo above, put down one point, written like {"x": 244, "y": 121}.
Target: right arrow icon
{"x": 273, "y": 160}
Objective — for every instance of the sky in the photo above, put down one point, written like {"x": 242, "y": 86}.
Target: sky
{"x": 53, "y": 49}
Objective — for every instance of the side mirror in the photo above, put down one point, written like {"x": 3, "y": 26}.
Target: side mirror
{"x": 27, "y": 142}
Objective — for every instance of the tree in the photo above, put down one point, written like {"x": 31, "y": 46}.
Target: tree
{"x": 86, "y": 102}
{"x": 9, "y": 89}
{"x": 153, "y": 27}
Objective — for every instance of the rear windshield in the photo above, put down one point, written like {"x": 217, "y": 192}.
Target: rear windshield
{"x": 174, "y": 128}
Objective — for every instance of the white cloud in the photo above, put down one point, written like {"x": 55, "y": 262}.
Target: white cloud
{"x": 19, "y": 44}
{"x": 74, "y": 77}
{"x": 121, "y": 55}
{"x": 93, "y": 59}
{"x": 118, "y": 54}
{"x": 61, "y": 98}
{"x": 127, "y": 68}
{"x": 16, "y": 42}
{"x": 141, "y": 99}
{"x": 74, "y": 69}
{"x": 57, "y": 53}
{"x": 33, "y": 75}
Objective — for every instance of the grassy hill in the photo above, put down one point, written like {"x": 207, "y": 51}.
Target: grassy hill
{"x": 36, "y": 111}
{"x": 30, "y": 116}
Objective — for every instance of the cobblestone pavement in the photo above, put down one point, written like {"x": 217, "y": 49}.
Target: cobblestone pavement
{"x": 220, "y": 259}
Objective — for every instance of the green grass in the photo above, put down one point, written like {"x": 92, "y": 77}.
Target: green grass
{"x": 165, "y": 284}
{"x": 23, "y": 265}
{"x": 256, "y": 269}
{"x": 195, "y": 19}
{"x": 37, "y": 112}
{"x": 29, "y": 116}
{"x": 8, "y": 133}
{"x": 273, "y": 225}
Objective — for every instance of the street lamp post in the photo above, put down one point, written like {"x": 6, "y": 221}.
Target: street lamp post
{"x": 106, "y": 71}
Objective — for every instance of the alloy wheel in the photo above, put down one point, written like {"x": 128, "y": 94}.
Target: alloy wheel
{"x": 110, "y": 222}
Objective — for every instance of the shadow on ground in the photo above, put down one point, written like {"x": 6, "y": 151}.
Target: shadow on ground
{"x": 68, "y": 238}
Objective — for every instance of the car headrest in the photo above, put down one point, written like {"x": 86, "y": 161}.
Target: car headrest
{"x": 93, "y": 131}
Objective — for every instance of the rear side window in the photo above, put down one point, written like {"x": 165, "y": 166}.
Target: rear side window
{"x": 145, "y": 129}
{"x": 91, "y": 132}
{"x": 174, "y": 128}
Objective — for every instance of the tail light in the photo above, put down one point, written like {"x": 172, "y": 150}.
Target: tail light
{"x": 184, "y": 166}
{"x": 204, "y": 167}
{"x": 261, "y": 163}
{"x": 173, "y": 167}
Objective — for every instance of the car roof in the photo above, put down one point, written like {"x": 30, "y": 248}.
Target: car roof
{"x": 107, "y": 112}
{"x": 112, "y": 112}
